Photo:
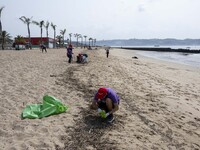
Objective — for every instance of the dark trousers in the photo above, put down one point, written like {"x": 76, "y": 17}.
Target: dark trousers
{"x": 107, "y": 54}
{"x": 102, "y": 105}
{"x": 44, "y": 48}
{"x": 70, "y": 58}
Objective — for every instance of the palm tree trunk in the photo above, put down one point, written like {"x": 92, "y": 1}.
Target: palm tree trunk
{"x": 77, "y": 42}
{"x": 81, "y": 42}
{"x": 0, "y": 27}
{"x": 2, "y": 43}
{"x": 41, "y": 36}
{"x": 47, "y": 33}
{"x": 47, "y": 38}
{"x": 63, "y": 41}
{"x": 29, "y": 36}
{"x": 54, "y": 38}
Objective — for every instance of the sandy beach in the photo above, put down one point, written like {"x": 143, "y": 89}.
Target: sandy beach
{"x": 159, "y": 109}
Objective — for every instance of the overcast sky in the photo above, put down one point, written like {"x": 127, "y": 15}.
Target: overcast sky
{"x": 106, "y": 19}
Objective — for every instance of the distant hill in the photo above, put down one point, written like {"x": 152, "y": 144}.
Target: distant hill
{"x": 149, "y": 42}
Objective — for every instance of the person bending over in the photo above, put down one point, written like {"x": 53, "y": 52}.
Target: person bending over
{"x": 106, "y": 100}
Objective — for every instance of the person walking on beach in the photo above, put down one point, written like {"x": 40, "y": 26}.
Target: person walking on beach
{"x": 69, "y": 53}
{"x": 106, "y": 101}
{"x": 43, "y": 47}
{"x": 107, "y": 52}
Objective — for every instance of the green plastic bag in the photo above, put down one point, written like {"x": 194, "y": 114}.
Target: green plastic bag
{"x": 50, "y": 106}
{"x": 103, "y": 114}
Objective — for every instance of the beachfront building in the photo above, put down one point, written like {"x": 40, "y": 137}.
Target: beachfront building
{"x": 37, "y": 41}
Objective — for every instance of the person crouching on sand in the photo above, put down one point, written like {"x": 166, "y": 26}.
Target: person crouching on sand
{"x": 106, "y": 101}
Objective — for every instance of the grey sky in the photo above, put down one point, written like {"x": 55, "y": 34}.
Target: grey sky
{"x": 106, "y": 19}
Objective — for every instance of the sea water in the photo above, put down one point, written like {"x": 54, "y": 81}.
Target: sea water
{"x": 189, "y": 47}
{"x": 176, "y": 57}
{"x": 181, "y": 58}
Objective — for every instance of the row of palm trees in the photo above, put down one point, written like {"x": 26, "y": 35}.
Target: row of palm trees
{"x": 93, "y": 41}
{"x": 46, "y": 25}
{"x": 60, "y": 37}
{"x": 41, "y": 24}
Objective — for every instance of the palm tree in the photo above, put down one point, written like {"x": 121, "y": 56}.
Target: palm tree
{"x": 0, "y": 19}
{"x": 85, "y": 39}
{"x": 54, "y": 29}
{"x": 90, "y": 39}
{"x": 59, "y": 39}
{"x": 81, "y": 40}
{"x": 77, "y": 36}
{"x": 27, "y": 21}
{"x": 40, "y": 24}
{"x": 47, "y": 32}
{"x": 70, "y": 38}
{"x": 5, "y": 38}
{"x": 47, "y": 27}
{"x": 62, "y": 32}
{"x": 20, "y": 40}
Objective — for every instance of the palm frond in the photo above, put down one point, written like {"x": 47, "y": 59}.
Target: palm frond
{"x": 36, "y": 23}
{"x": 1, "y": 10}
{"x": 25, "y": 19}
{"x": 46, "y": 25}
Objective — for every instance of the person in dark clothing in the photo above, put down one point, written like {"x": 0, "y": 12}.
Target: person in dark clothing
{"x": 82, "y": 58}
{"x": 69, "y": 53}
{"x": 43, "y": 47}
{"x": 107, "y": 52}
{"x": 79, "y": 58}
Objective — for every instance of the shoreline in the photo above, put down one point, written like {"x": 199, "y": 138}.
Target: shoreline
{"x": 162, "y": 49}
{"x": 168, "y": 57}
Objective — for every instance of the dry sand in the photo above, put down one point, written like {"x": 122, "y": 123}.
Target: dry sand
{"x": 160, "y": 102}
